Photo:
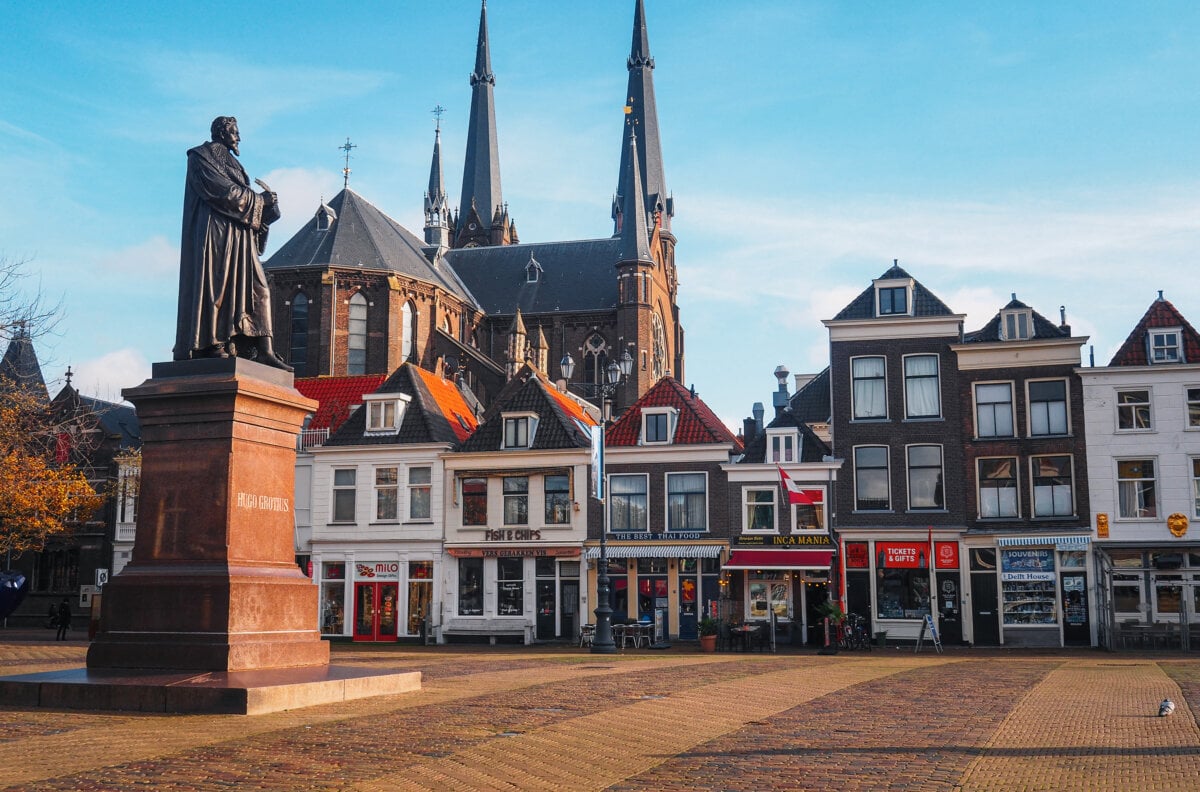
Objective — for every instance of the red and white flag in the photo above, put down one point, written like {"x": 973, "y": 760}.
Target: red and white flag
{"x": 806, "y": 497}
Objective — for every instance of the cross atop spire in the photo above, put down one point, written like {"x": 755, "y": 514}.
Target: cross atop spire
{"x": 346, "y": 147}
{"x": 437, "y": 111}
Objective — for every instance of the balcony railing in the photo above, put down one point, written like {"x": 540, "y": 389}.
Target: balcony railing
{"x": 311, "y": 438}
{"x": 126, "y": 532}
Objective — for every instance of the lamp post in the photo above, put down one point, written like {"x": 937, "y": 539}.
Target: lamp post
{"x": 602, "y": 642}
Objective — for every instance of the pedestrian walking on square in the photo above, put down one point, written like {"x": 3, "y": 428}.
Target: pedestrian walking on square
{"x": 64, "y": 619}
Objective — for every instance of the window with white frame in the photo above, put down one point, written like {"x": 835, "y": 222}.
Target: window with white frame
{"x": 1137, "y": 496}
{"x": 658, "y": 425}
{"x": 872, "y": 490}
{"x": 687, "y": 496}
{"x": 925, "y": 490}
{"x": 510, "y": 586}
{"x": 758, "y": 509}
{"x": 1133, "y": 410}
{"x": 922, "y": 394}
{"x": 344, "y": 484}
{"x": 519, "y": 430}
{"x": 516, "y": 500}
{"x": 1048, "y": 407}
{"x": 558, "y": 499}
{"x": 1164, "y": 345}
{"x": 387, "y": 492}
{"x": 997, "y": 488}
{"x": 869, "y": 387}
{"x": 1195, "y": 486}
{"x": 627, "y": 502}
{"x": 419, "y": 483}
{"x": 892, "y": 300}
{"x": 782, "y": 445}
{"x": 1193, "y": 408}
{"x": 1017, "y": 325}
{"x": 475, "y": 501}
{"x": 808, "y": 516}
{"x": 993, "y": 409}
{"x": 385, "y": 412}
{"x": 1053, "y": 493}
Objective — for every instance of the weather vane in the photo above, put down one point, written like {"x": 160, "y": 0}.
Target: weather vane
{"x": 437, "y": 111}
{"x": 346, "y": 169}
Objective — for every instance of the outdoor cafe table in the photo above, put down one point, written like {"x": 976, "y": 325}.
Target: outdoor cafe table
{"x": 741, "y": 635}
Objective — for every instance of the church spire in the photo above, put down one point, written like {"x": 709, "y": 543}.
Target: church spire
{"x": 641, "y": 118}
{"x": 635, "y": 238}
{"x": 437, "y": 208}
{"x": 481, "y": 167}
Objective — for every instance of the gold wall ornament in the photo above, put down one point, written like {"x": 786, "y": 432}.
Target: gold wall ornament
{"x": 1177, "y": 523}
{"x": 1101, "y": 526}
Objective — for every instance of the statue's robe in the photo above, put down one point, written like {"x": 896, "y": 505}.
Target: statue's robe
{"x": 223, "y": 290}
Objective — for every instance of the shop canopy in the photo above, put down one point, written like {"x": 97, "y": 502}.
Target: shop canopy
{"x": 657, "y": 551}
{"x": 1069, "y": 542}
{"x": 780, "y": 559}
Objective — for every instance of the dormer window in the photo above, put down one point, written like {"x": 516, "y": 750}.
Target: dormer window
{"x": 658, "y": 425}
{"x": 1016, "y": 325}
{"x": 325, "y": 217}
{"x": 385, "y": 412}
{"x": 533, "y": 270}
{"x": 783, "y": 445}
{"x": 519, "y": 429}
{"x": 1164, "y": 346}
{"x": 893, "y": 297}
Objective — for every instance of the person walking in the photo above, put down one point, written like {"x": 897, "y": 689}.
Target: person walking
{"x": 64, "y": 619}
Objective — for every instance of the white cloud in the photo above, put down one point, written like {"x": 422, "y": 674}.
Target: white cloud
{"x": 300, "y": 192}
{"x": 105, "y": 376}
{"x": 154, "y": 258}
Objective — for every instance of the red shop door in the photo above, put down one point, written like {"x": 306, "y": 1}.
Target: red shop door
{"x": 375, "y": 611}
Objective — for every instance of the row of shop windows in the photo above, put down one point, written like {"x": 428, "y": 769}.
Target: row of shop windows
{"x": 556, "y": 500}
{"x": 386, "y": 494}
{"x": 1160, "y": 586}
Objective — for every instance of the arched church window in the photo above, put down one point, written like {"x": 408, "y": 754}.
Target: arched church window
{"x": 659, "y": 339}
{"x": 356, "y": 361}
{"x": 595, "y": 359}
{"x": 408, "y": 326}
{"x": 298, "y": 347}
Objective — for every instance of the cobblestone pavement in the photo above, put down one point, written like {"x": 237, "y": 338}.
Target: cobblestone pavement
{"x": 559, "y": 719}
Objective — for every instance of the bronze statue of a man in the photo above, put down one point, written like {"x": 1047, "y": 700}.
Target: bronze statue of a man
{"x": 224, "y": 300}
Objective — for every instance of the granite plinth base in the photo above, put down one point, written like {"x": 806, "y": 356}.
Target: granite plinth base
{"x": 231, "y": 693}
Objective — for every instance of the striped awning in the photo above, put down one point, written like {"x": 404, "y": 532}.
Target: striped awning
{"x": 657, "y": 551}
{"x": 1072, "y": 542}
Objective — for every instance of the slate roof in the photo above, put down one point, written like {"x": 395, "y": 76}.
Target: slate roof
{"x": 812, "y": 448}
{"x": 20, "y": 366}
{"x": 1161, "y": 313}
{"x": 697, "y": 423}
{"x": 436, "y": 413}
{"x": 119, "y": 421}
{"x": 577, "y": 275}
{"x": 1042, "y": 327}
{"x": 362, "y": 236}
{"x": 811, "y": 403}
{"x": 336, "y": 396}
{"x": 925, "y": 303}
{"x": 562, "y": 422}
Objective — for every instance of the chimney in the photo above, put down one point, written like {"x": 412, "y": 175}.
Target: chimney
{"x": 748, "y": 432}
{"x": 1062, "y": 320}
{"x": 779, "y": 399}
{"x": 757, "y": 412}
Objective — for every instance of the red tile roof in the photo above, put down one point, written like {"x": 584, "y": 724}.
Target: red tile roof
{"x": 697, "y": 424}
{"x": 1160, "y": 314}
{"x": 336, "y": 396}
{"x": 572, "y": 408}
{"x": 448, "y": 399}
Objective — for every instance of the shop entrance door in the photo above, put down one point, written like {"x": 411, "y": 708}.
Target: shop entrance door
{"x": 815, "y": 594}
{"x": 375, "y": 611}
{"x": 986, "y": 616}
{"x": 949, "y": 604}
{"x": 547, "y": 610}
{"x": 688, "y": 598}
{"x": 569, "y": 599}
{"x": 1076, "y": 631}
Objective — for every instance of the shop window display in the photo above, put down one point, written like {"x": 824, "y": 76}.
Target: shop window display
{"x": 333, "y": 598}
{"x": 1029, "y": 584}
{"x": 470, "y": 587}
{"x": 420, "y": 594}
{"x": 510, "y": 586}
{"x": 768, "y": 592}
{"x": 903, "y": 593}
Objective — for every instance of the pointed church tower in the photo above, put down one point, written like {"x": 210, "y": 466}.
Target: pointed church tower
{"x": 437, "y": 208}
{"x": 516, "y": 346}
{"x": 641, "y": 118}
{"x": 482, "y": 215}
{"x": 20, "y": 369}
{"x": 638, "y": 291}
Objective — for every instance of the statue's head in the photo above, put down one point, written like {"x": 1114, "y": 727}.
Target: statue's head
{"x": 225, "y": 130}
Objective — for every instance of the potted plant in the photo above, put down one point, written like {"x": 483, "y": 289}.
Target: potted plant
{"x": 708, "y": 634}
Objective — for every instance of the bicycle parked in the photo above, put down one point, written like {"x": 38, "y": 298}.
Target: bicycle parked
{"x": 852, "y": 633}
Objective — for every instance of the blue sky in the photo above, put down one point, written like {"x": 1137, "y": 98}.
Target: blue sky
{"x": 1046, "y": 149}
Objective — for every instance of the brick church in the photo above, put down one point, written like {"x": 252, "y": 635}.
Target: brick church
{"x": 356, "y": 293}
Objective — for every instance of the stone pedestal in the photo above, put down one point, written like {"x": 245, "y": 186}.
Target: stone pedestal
{"x": 213, "y": 584}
